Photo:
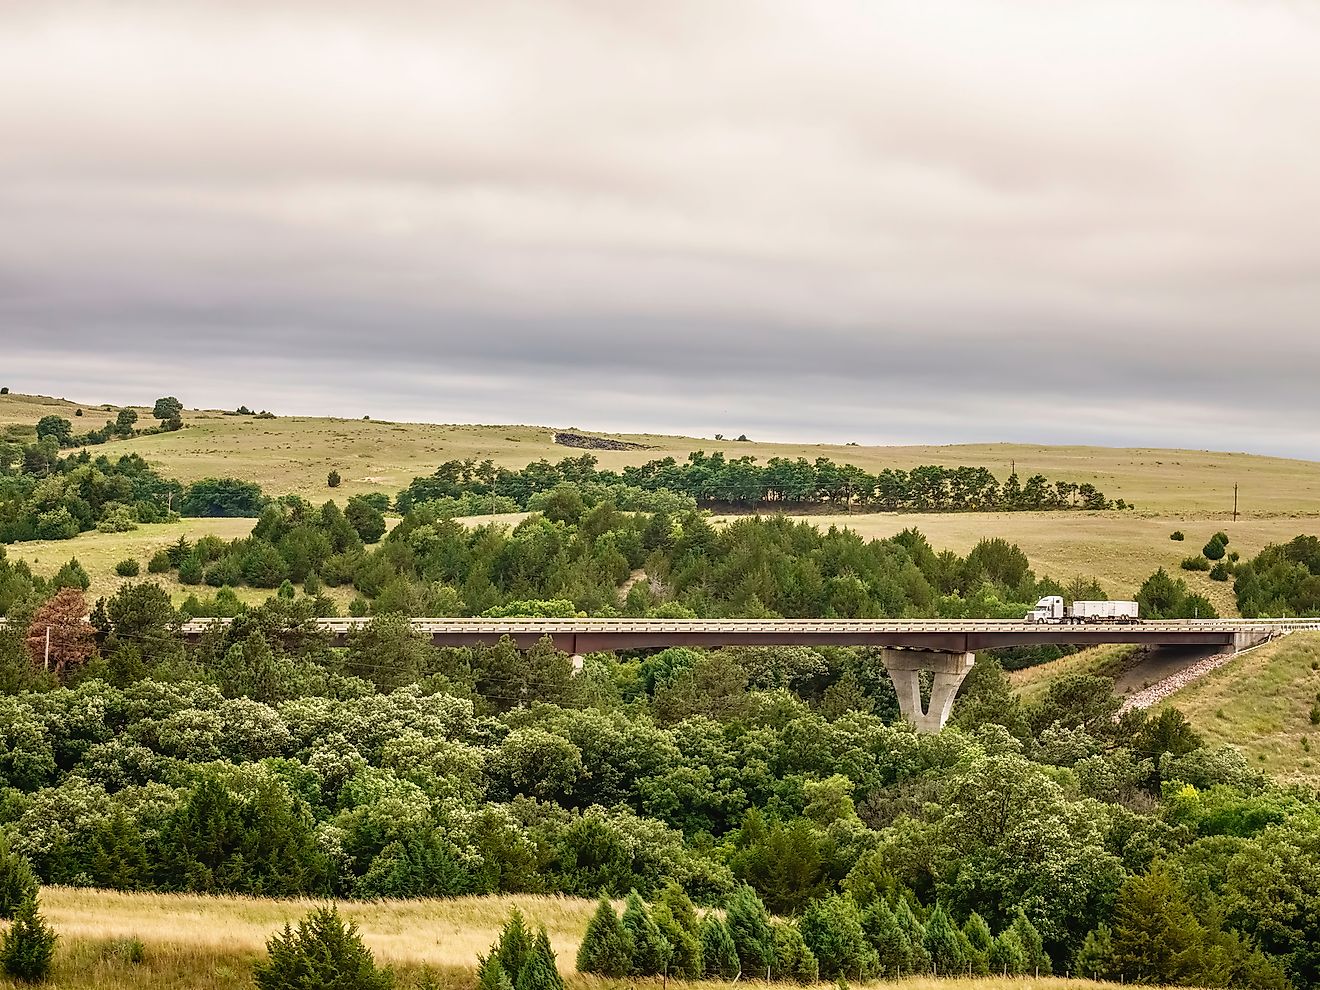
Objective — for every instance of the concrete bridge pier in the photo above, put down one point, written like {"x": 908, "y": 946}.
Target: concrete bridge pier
{"x": 905, "y": 667}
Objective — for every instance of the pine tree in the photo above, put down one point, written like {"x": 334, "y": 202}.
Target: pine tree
{"x": 651, "y": 951}
{"x": 943, "y": 943}
{"x": 911, "y": 926}
{"x": 28, "y": 945}
{"x": 539, "y": 971}
{"x": 510, "y": 953}
{"x": 1156, "y": 937}
{"x": 1008, "y": 957}
{"x": 979, "y": 940}
{"x": 749, "y": 925}
{"x": 1038, "y": 961}
{"x": 323, "y": 953}
{"x": 18, "y": 884}
{"x": 793, "y": 960}
{"x": 892, "y": 946}
{"x": 605, "y": 950}
{"x": 719, "y": 955}
{"x": 1095, "y": 959}
{"x": 832, "y": 928}
{"x": 685, "y": 962}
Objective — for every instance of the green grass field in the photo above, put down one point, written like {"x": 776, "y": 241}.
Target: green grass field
{"x": 1261, "y": 704}
{"x": 210, "y": 943}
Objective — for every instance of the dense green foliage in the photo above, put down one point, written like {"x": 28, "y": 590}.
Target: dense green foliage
{"x": 716, "y": 480}
{"x": 576, "y": 563}
{"x": 1282, "y": 580}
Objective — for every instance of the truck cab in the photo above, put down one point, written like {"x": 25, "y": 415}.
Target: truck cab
{"x": 1048, "y": 609}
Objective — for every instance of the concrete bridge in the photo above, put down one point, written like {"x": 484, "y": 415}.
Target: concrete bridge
{"x": 946, "y": 648}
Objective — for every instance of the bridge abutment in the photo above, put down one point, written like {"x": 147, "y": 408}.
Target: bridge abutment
{"x": 949, "y": 669}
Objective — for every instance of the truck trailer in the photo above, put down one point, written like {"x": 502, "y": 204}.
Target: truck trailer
{"x": 1053, "y": 610}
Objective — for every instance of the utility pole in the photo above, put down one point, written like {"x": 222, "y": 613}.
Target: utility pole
{"x": 1235, "y": 502}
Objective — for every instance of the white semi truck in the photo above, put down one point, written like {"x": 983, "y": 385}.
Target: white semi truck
{"x": 1053, "y": 610}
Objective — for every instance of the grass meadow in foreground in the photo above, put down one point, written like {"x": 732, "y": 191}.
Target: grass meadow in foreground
{"x": 210, "y": 943}
{"x": 1261, "y": 703}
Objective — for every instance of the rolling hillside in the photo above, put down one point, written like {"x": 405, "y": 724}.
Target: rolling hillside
{"x": 294, "y": 454}
{"x": 1187, "y": 490}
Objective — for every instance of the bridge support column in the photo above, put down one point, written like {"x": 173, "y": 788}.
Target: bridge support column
{"x": 905, "y": 667}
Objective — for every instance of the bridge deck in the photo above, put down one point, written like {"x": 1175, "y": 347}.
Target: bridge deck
{"x": 588, "y": 635}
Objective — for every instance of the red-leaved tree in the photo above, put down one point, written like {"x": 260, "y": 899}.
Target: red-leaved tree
{"x": 61, "y": 624}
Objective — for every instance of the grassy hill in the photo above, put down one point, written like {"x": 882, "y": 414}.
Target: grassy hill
{"x": 1261, "y": 704}
{"x": 1174, "y": 489}
{"x": 294, "y": 454}
{"x": 211, "y": 943}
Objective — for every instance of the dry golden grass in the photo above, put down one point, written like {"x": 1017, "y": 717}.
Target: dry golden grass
{"x": 294, "y": 454}
{"x": 1260, "y": 703}
{"x": 100, "y": 552}
{"x": 209, "y": 943}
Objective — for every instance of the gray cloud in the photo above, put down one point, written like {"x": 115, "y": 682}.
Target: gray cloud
{"x": 941, "y": 222}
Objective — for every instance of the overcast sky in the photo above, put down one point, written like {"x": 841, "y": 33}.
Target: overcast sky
{"x": 1093, "y": 221}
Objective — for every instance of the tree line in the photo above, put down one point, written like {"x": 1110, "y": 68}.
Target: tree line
{"x": 714, "y": 480}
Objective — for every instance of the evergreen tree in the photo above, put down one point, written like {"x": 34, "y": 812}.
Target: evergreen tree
{"x": 749, "y": 925}
{"x": 832, "y": 929}
{"x": 915, "y": 932}
{"x": 1007, "y": 956}
{"x": 1095, "y": 959}
{"x": 605, "y": 950}
{"x": 539, "y": 971}
{"x": 510, "y": 952}
{"x": 683, "y": 935}
{"x": 28, "y": 945}
{"x": 18, "y": 884}
{"x": 943, "y": 943}
{"x": 1038, "y": 961}
{"x": 322, "y": 954}
{"x": 979, "y": 941}
{"x": 651, "y": 951}
{"x": 1156, "y": 937}
{"x": 891, "y": 943}
{"x": 793, "y": 960}
{"x": 719, "y": 955}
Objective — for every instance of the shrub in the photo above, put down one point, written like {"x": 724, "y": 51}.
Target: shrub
{"x": 190, "y": 570}
{"x": 322, "y": 952}
{"x": 72, "y": 575}
{"x": 332, "y": 480}
{"x": 1195, "y": 564}
{"x": 159, "y": 562}
{"x": 18, "y": 884}
{"x": 1221, "y": 538}
{"x": 1214, "y": 550}
{"x": 1177, "y": 536}
{"x": 128, "y": 950}
{"x": 605, "y": 950}
{"x": 28, "y": 945}
{"x": 128, "y": 567}
{"x": 1219, "y": 572}
{"x": 4, "y": 390}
